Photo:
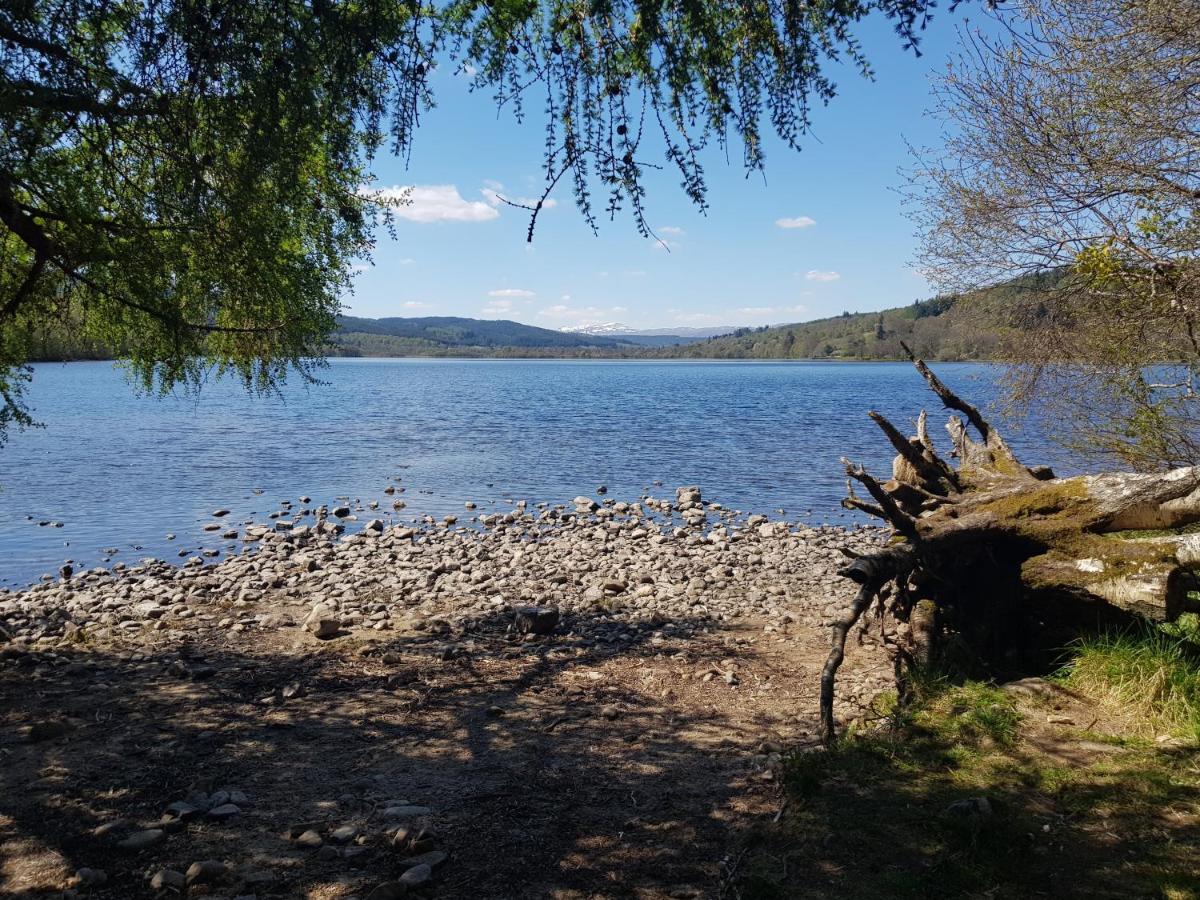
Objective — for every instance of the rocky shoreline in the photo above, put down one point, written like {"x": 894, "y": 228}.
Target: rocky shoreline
{"x": 642, "y": 562}
{"x": 604, "y": 639}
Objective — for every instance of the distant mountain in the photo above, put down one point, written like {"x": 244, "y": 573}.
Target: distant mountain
{"x": 601, "y": 329}
{"x": 618, "y": 329}
{"x": 443, "y": 335}
{"x": 452, "y": 331}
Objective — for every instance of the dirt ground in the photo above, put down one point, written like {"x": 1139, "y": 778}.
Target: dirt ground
{"x": 607, "y": 760}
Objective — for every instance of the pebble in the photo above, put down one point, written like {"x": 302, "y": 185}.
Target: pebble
{"x": 224, "y": 811}
{"x": 86, "y": 877}
{"x": 620, "y": 574}
{"x": 142, "y": 840}
{"x": 433, "y": 859}
{"x": 310, "y": 839}
{"x": 416, "y": 876}
{"x": 324, "y": 628}
{"x": 537, "y": 619}
{"x": 206, "y": 872}
{"x": 168, "y": 879}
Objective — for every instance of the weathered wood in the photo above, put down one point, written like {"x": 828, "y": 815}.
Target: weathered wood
{"x": 871, "y": 572}
{"x": 995, "y": 537}
{"x": 923, "y": 467}
{"x": 899, "y": 519}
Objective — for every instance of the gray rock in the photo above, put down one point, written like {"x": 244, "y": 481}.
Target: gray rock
{"x": 417, "y": 876}
{"x": 183, "y": 811}
{"x": 343, "y": 835}
{"x": 111, "y": 829}
{"x": 168, "y": 880}
{"x": 310, "y": 839}
{"x": 324, "y": 628}
{"x": 143, "y": 840}
{"x": 224, "y": 811}
{"x": 206, "y": 872}
{"x": 537, "y": 619}
{"x": 433, "y": 859}
{"x": 86, "y": 877}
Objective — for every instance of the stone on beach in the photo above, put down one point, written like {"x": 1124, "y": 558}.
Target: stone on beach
{"x": 537, "y": 619}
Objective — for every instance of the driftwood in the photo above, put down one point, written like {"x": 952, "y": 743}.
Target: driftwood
{"x": 993, "y": 549}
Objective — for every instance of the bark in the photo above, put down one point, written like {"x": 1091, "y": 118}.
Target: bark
{"x": 1000, "y": 548}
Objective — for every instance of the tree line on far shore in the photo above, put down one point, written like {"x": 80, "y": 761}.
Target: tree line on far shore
{"x": 941, "y": 328}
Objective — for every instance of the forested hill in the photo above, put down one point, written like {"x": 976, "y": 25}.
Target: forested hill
{"x": 946, "y": 328}
{"x": 451, "y": 331}
{"x": 931, "y": 327}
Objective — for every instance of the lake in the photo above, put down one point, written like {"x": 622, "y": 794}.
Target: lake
{"x": 122, "y": 471}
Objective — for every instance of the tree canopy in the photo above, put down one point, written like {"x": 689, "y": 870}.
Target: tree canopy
{"x": 1073, "y": 147}
{"x": 188, "y": 179}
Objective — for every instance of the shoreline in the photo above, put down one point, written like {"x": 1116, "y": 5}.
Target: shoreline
{"x": 601, "y": 358}
{"x": 562, "y": 698}
{"x": 633, "y": 560}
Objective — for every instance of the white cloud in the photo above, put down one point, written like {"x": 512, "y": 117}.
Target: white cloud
{"x": 359, "y": 267}
{"x": 566, "y": 298}
{"x": 817, "y": 275}
{"x": 417, "y": 304}
{"x": 511, "y": 292}
{"x": 699, "y": 319}
{"x": 495, "y": 309}
{"x": 407, "y": 261}
{"x": 664, "y": 244}
{"x": 432, "y": 203}
{"x": 796, "y": 222}
{"x": 671, "y": 231}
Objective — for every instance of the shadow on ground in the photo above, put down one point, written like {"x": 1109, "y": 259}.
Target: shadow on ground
{"x": 965, "y": 802}
{"x": 570, "y": 766}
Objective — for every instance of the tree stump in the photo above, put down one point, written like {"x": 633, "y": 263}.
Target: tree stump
{"x": 998, "y": 548}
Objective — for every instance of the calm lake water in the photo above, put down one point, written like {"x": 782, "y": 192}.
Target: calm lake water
{"x": 122, "y": 471}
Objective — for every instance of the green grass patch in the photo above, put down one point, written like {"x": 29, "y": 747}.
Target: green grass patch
{"x": 1151, "y": 674}
{"x": 897, "y": 811}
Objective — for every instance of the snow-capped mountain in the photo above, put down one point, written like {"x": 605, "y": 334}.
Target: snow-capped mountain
{"x": 616, "y": 329}
{"x": 604, "y": 328}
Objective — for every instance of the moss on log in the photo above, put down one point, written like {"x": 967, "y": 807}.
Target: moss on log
{"x": 995, "y": 544}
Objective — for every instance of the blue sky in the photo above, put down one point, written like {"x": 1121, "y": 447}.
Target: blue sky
{"x": 850, "y": 247}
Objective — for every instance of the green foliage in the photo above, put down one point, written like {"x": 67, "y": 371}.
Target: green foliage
{"x": 1151, "y": 674}
{"x": 1061, "y": 153}
{"x": 186, "y": 180}
{"x": 894, "y": 811}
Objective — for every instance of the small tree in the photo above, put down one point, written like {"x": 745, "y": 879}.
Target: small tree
{"x": 1072, "y": 152}
{"x": 184, "y": 179}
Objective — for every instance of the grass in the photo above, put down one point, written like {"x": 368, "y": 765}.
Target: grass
{"x": 1150, "y": 674}
{"x": 894, "y": 811}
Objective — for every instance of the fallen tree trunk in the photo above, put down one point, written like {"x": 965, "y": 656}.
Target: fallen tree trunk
{"x": 999, "y": 548}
